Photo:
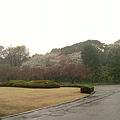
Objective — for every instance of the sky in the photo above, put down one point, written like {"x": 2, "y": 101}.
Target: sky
{"x": 42, "y": 25}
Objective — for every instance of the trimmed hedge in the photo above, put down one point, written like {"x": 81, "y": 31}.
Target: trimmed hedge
{"x": 30, "y": 84}
{"x": 45, "y": 84}
{"x": 87, "y": 89}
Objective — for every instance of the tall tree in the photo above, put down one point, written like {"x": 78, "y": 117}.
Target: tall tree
{"x": 90, "y": 57}
{"x": 110, "y": 50}
{"x": 15, "y": 55}
{"x": 114, "y": 66}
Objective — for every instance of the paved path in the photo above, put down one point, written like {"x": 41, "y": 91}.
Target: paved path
{"x": 103, "y": 105}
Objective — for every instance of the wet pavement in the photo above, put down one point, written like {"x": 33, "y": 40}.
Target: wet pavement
{"x": 104, "y": 104}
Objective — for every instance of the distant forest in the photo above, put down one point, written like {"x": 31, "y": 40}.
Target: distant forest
{"x": 88, "y": 61}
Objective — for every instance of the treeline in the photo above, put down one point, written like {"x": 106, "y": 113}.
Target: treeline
{"x": 69, "y": 73}
{"x": 89, "y": 61}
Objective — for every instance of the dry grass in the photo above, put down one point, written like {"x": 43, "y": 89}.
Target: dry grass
{"x": 17, "y": 100}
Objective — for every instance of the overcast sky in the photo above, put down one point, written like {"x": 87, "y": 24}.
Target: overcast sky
{"x": 42, "y": 25}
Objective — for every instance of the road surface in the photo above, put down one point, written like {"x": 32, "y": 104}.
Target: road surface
{"x": 104, "y": 104}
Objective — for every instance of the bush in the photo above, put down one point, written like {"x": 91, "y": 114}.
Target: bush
{"x": 18, "y": 83}
{"x": 43, "y": 84}
{"x": 30, "y": 84}
{"x": 87, "y": 89}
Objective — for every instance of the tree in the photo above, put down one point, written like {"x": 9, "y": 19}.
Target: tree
{"x": 110, "y": 50}
{"x": 90, "y": 56}
{"x": 8, "y": 72}
{"x": 1, "y": 57}
{"x": 114, "y": 66}
{"x": 78, "y": 47}
{"x": 52, "y": 59}
{"x": 15, "y": 56}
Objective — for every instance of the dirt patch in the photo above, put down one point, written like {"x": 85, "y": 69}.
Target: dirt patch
{"x": 17, "y": 100}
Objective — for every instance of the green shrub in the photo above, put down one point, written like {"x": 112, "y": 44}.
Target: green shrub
{"x": 30, "y": 84}
{"x": 19, "y": 83}
{"x": 52, "y": 85}
{"x": 43, "y": 84}
{"x": 87, "y": 89}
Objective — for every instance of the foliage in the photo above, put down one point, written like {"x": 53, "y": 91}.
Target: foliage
{"x": 75, "y": 73}
{"x": 15, "y": 56}
{"x": 110, "y": 50}
{"x": 104, "y": 75}
{"x": 78, "y": 47}
{"x": 31, "y": 84}
{"x": 90, "y": 57}
{"x": 87, "y": 89}
{"x": 8, "y": 72}
{"x": 43, "y": 84}
{"x": 52, "y": 59}
{"x": 114, "y": 66}
{"x": 89, "y": 61}
{"x": 68, "y": 54}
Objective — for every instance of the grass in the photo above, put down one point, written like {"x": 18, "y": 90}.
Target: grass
{"x": 16, "y": 100}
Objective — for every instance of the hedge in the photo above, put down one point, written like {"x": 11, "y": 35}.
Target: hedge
{"x": 30, "y": 84}
{"x": 87, "y": 89}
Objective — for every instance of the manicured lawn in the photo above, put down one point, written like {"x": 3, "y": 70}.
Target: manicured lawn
{"x": 17, "y": 100}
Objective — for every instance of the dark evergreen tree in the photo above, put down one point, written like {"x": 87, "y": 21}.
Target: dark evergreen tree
{"x": 90, "y": 57}
{"x": 114, "y": 66}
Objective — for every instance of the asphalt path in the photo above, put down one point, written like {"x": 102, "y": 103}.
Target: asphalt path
{"x": 104, "y": 104}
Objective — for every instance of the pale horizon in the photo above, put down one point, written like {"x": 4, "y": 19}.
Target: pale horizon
{"x": 42, "y": 25}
